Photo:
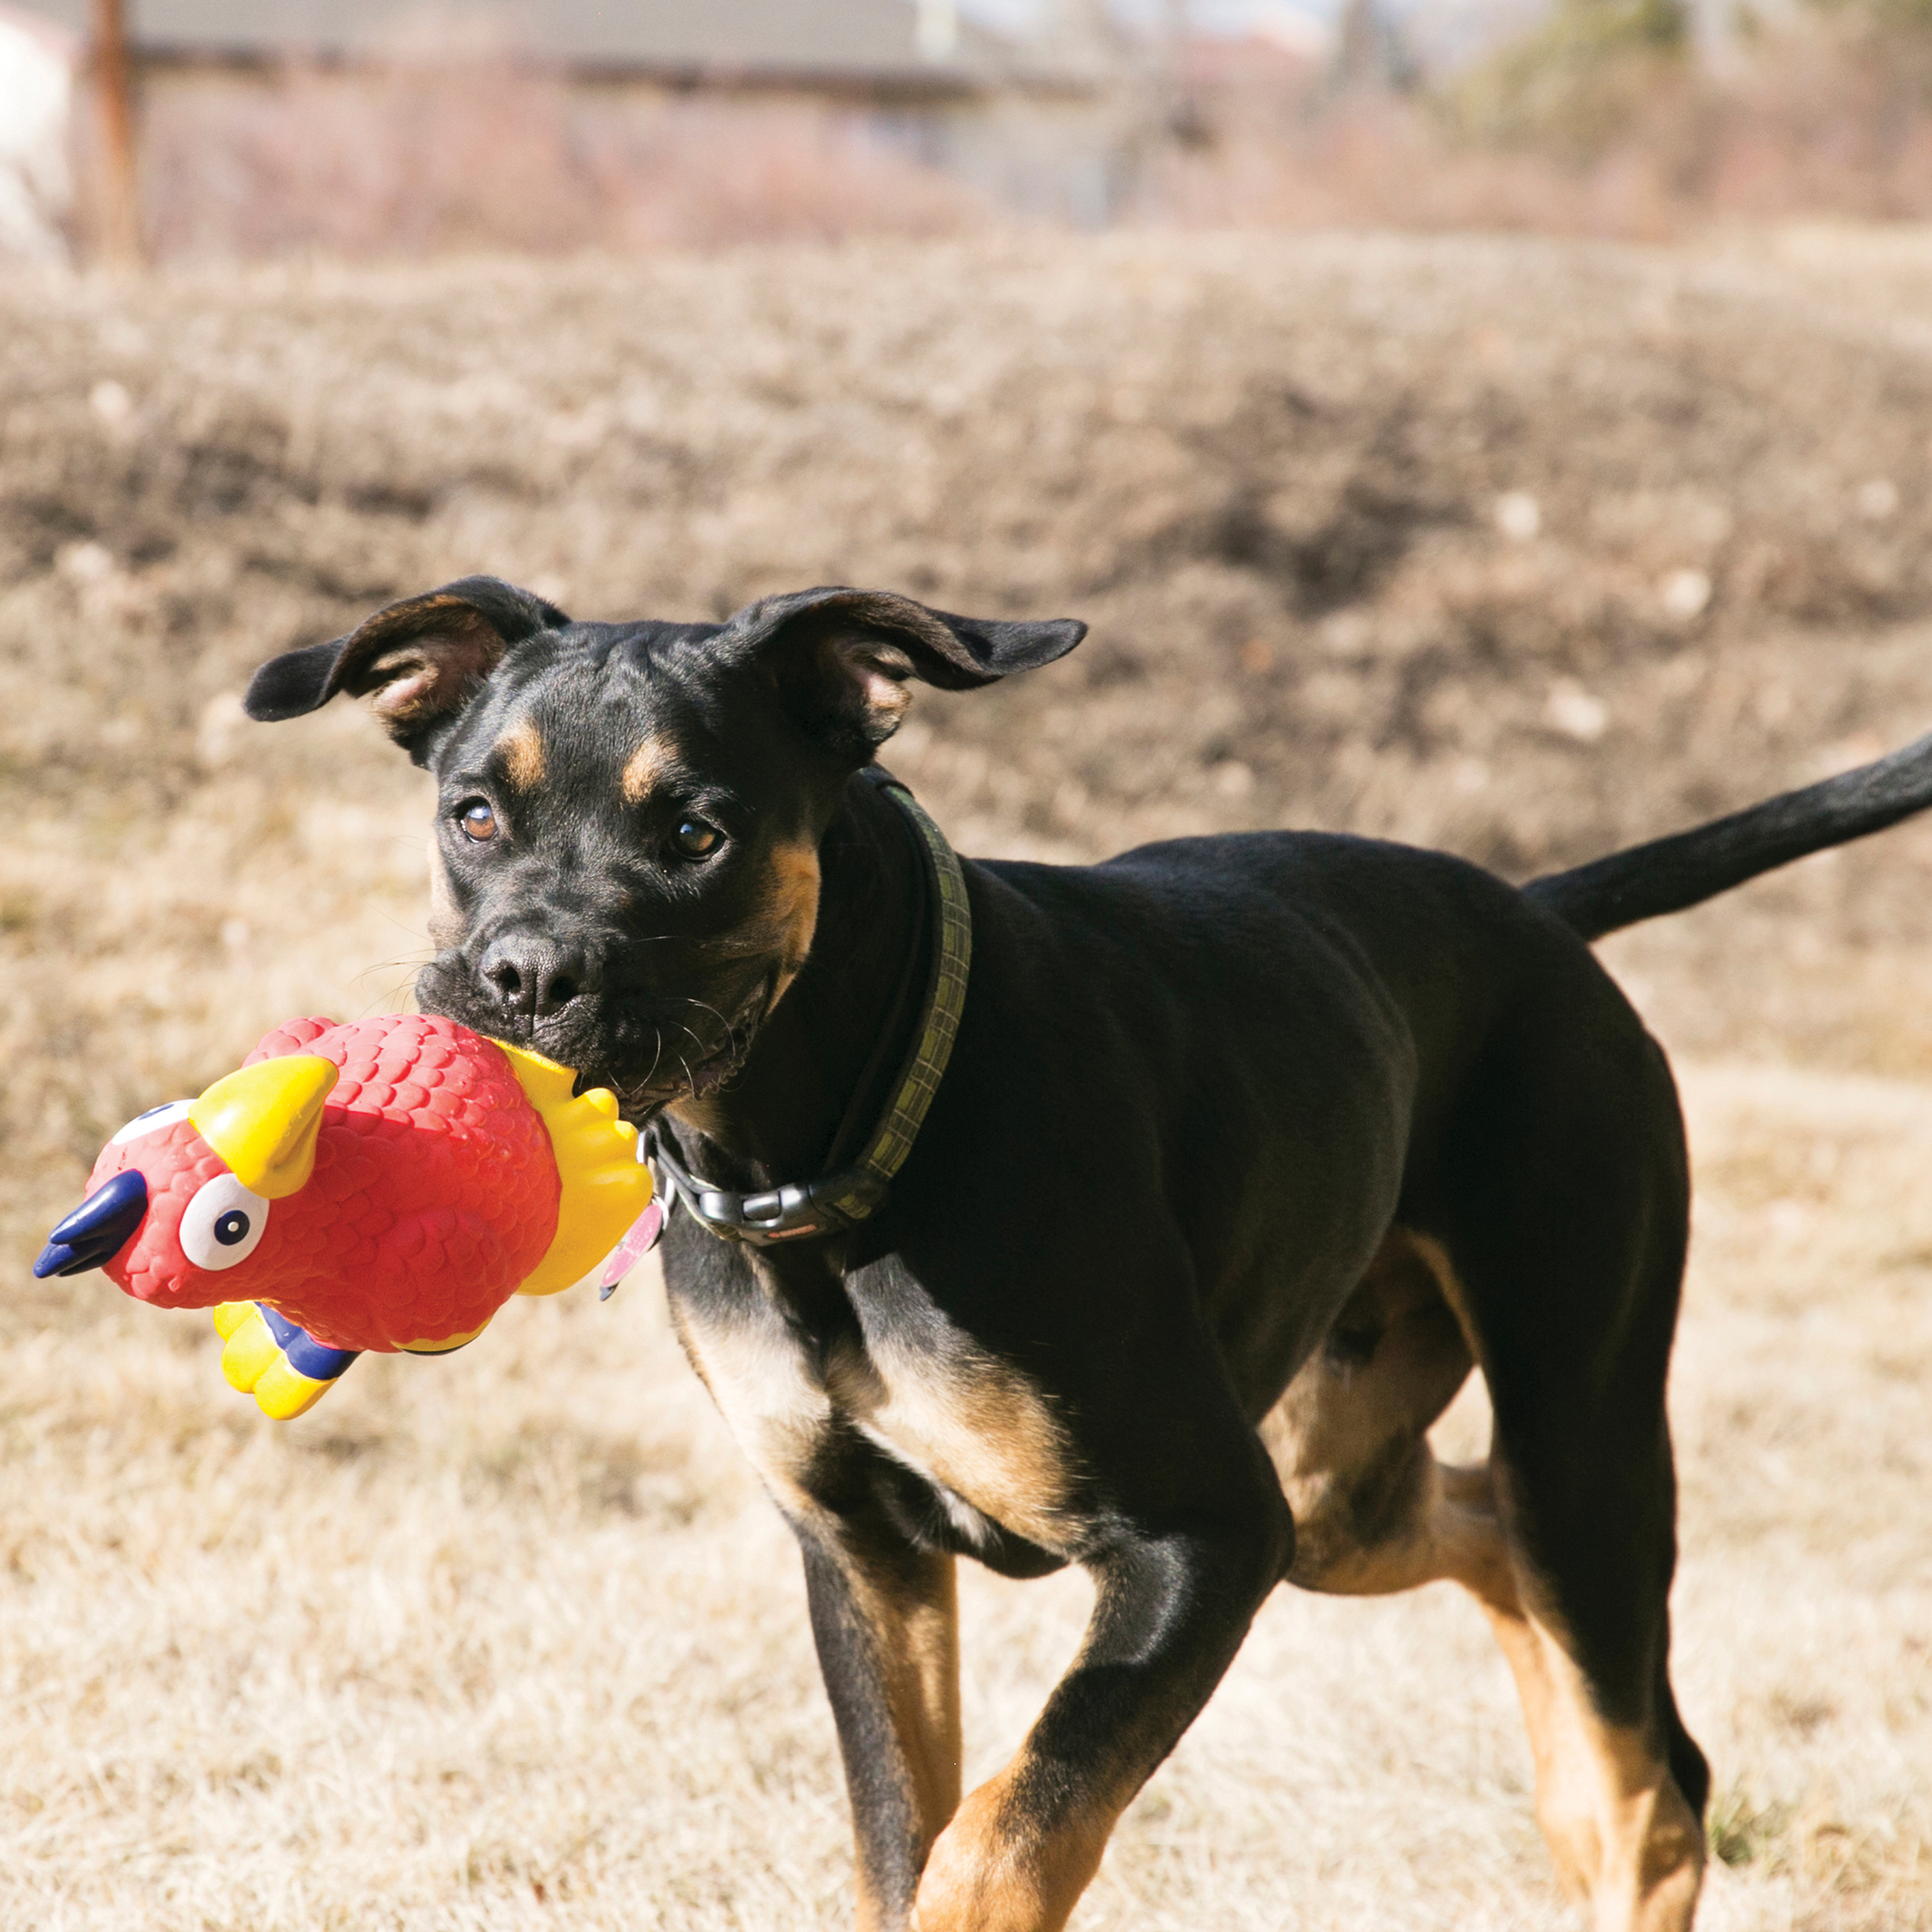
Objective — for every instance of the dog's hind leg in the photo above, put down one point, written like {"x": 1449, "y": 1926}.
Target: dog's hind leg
{"x": 1572, "y": 1209}
{"x": 1610, "y": 1794}
{"x": 1374, "y": 1511}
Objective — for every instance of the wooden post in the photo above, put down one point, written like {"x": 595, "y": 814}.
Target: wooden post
{"x": 1361, "y": 51}
{"x": 114, "y": 92}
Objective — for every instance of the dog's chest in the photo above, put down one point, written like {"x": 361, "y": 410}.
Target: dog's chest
{"x": 974, "y": 1429}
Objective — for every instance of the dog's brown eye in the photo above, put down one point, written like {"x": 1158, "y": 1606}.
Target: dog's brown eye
{"x": 478, "y": 821}
{"x": 695, "y": 839}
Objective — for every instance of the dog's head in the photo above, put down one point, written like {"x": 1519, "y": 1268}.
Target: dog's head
{"x": 625, "y": 867}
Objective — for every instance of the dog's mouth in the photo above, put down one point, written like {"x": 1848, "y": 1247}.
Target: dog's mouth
{"x": 650, "y": 1051}
{"x": 696, "y": 1062}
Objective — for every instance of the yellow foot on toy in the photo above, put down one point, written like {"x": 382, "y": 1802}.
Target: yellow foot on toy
{"x": 283, "y": 1366}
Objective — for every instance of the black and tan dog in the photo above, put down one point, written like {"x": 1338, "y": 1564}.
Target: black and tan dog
{"x": 1248, "y": 1149}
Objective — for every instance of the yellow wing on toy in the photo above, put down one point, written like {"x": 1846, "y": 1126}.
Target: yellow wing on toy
{"x": 605, "y": 1186}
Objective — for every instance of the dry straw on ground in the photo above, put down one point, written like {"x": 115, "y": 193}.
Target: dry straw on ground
{"x": 1520, "y": 548}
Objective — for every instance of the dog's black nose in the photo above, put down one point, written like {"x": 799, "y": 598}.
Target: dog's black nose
{"x": 530, "y": 974}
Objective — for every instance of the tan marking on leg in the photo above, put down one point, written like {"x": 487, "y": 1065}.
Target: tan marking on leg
{"x": 989, "y": 1872}
{"x": 645, "y": 770}
{"x": 1374, "y": 1511}
{"x": 1449, "y": 1532}
{"x": 1623, "y": 1838}
{"x": 968, "y": 1423}
{"x": 1621, "y": 1834}
{"x": 918, "y": 1643}
{"x": 777, "y": 1414}
{"x": 521, "y": 752}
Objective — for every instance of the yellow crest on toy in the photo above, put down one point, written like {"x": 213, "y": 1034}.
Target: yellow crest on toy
{"x": 263, "y": 1120}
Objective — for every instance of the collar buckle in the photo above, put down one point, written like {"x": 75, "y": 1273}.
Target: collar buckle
{"x": 826, "y": 1206}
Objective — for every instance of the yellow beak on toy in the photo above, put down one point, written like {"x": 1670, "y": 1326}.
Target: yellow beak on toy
{"x": 263, "y": 1120}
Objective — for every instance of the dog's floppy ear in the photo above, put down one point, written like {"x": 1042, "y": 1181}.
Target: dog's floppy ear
{"x": 422, "y": 659}
{"x": 841, "y": 658}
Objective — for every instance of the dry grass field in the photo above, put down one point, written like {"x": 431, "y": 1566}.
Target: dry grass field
{"x": 1525, "y": 548}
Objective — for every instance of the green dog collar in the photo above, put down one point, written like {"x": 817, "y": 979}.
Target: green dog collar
{"x": 842, "y": 1200}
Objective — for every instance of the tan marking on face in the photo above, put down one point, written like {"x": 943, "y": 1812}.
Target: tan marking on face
{"x": 445, "y": 922}
{"x": 968, "y": 1423}
{"x": 791, "y": 907}
{"x": 710, "y": 1116}
{"x": 520, "y": 749}
{"x": 645, "y": 770}
{"x": 783, "y": 925}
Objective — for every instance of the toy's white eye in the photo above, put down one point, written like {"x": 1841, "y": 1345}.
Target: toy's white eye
{"x": 152, "y": 1121}
{"x": 224, "y": 1224}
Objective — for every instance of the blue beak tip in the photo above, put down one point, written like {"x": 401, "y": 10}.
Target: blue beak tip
{"x": 98, "y": 1229}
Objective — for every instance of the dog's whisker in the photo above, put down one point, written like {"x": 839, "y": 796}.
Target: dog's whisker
{"x": 405, "y": 959}
{"x": 731, "y": 1032}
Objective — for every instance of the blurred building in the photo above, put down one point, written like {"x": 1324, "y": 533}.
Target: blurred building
{"x": 1032, "y": 124}
{"x": 37, "y": 65}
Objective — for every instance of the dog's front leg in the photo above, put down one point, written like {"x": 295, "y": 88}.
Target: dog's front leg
{"x": 884, "y": 1617}
{"x": 1173, "y": 1608}
{"x": 883, "y": 1612}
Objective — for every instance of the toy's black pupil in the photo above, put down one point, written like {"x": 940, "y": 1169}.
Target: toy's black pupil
{"x": 232, "y": 1227}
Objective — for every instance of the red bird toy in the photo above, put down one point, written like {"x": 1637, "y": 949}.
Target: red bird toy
{"x": 385, "y": 1185}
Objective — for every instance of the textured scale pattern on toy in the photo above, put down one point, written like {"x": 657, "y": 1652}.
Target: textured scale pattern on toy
{"x": 434, "y": 1194}
{"x": 388, "y": 1185}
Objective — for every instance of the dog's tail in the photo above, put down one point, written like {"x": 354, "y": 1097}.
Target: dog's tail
{"x": 1669, "y": 875}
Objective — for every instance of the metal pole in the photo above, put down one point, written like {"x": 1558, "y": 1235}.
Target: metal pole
{"x": 113, "y": 81}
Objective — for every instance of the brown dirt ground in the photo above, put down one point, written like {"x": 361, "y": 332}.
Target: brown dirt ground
{"x": 327, "y": 1677}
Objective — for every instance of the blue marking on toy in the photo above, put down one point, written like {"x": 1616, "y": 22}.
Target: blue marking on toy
{"x": 98, "y": 1229}
{"x": 305, "y": 1354}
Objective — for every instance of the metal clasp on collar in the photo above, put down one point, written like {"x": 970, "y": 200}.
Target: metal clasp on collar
{"x": 789, "y": 1213}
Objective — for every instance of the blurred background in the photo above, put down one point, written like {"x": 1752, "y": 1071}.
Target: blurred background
{"x": 1497, "y": 426}
{"x": 192, "y": 129}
